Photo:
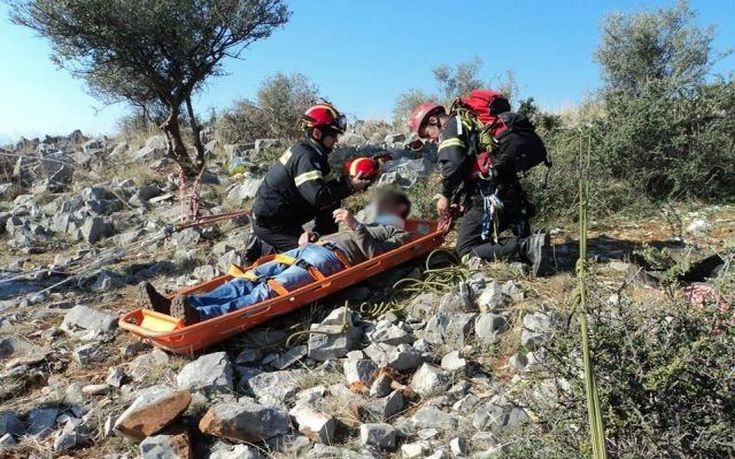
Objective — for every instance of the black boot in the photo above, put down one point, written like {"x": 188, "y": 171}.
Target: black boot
{"x": 535, "y": 249}
{"x": 181, "y": 308}
{"x": 149, "y": 297}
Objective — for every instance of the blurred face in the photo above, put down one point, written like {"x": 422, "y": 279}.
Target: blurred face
{"x": 388, "y": 206}
{"x": 431, "y": 129}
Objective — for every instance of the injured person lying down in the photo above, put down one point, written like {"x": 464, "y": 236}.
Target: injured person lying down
{"x": 298, "y": 267}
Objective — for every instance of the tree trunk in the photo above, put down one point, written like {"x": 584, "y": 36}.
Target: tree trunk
{"x": 196, "y": 133}
{"x": 178, "y": 149}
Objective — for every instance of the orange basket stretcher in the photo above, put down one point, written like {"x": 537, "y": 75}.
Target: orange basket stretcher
{"x": 173, "y": 335}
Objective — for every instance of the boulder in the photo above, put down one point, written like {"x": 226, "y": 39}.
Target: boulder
{"x": 87, "y": 318}
{"x": 380, "y": 435}
{"x": 315, "y": 424}
{"x": 153, "y": 409}
{"x": 245, "y": 421}
{"x": 172, "y": 443}
{"x": 430, "y": 380}
{"x": 208, "y": 372}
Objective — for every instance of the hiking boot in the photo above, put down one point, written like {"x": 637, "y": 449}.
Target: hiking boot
{"x": 536, "y": 251}
{"x": 149, "y": 297}
{"x": 181, "y": 308}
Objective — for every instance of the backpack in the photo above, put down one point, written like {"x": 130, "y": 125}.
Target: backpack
{"x": 510, "y": 138}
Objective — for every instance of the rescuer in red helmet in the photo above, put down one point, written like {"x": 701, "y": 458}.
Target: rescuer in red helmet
{"x": 300, "y": 187}
{"x": 491, "y": 205}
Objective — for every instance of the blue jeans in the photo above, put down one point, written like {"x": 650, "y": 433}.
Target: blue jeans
{"x": 239, "y": 293}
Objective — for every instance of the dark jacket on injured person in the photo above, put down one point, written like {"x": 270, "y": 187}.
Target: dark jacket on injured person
{"x": 328, "y": 257}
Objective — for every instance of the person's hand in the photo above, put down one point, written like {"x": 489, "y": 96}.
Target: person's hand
{"x": 307, "y": 237}
{"x": 345, "y": 217}
{"x": 359, "y": 183}
{"x": 442, "y": 206}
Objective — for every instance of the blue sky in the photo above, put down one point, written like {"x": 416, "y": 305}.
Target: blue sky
{"x": 362, "y": 54}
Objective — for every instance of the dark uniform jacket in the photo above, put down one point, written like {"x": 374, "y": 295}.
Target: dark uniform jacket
{"x": 298, "y": 186}
{"x": 454, "y": 155}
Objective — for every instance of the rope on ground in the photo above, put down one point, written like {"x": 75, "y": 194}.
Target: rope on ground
{"x": 438, "y": 280}
{"x": 579, "y": 299}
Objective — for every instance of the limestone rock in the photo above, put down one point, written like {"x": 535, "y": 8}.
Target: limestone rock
{"x": 244, "y": 421}
{"x": 380, "y": 435}
{"x": 362, "y": 370}
{"x": 154, "y": 409}
{"x": 488, "y": 326}
{"x": 208, "y": 372}
{"x": 89, "y": 319}
{"x": 430, "y": 380}
{"x": 314, "y": 424}
{"x": 172, "y": 443}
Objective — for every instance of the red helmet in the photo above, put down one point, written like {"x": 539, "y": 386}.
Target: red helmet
{"x": 369, "y": 167}
{"x": 324, "y": 115}
{"x": 421, "y": 114}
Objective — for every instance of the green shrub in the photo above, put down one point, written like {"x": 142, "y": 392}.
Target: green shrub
{"x": 664, "y": 372}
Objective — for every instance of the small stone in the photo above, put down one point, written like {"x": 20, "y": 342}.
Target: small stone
{"x": 274, "y": 388}
{"x": 430, "y": 380}
{"x": 66, "y": 441}
{"x": 311, "y": 395}
{"x": 314, "y": 424}
{"x": 492, "y": 298}
{"x": 208, "y": 372}
{"x": 429, "y": 417}
{"x": 536, "y": 330}
{"x": 458, "y": 445}
{"x": 248, "y": 356}
{"x": 466, "y": 403}
{"x": 453, "y": 362}
{"x": 399, "y": 358}
{"x": 415, "y": 450}
{"x": 362, "y": 370}
{"x": 245, "y": 421}
{"x": 41, "y": 421}
{"x": 390, "y": 333}
{"x": 380, "y": 435}
{"x": 95, "y": 389}
{"x": 381, "y": 386}
{"x": 116, "y": 377}
{"x": 7, "y": 441}
{"x": 88, "y": 354}
{"x": 172, "y": 443}
{"x": 154, "y": 409}
{"x": 385, "y": 408}
{"x": 228, "y": 451}
{"x": 289, "y": 357}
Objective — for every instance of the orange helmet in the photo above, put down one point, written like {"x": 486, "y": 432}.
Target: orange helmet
{"x": 422, "y": 113}
{"x": 369, "y": 167}
{"x": 324, "y": 115}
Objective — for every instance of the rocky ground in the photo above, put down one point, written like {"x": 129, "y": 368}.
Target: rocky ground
{"x": 430, "y": 372}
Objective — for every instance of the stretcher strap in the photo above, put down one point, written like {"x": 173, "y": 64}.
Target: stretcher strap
{"x": 236, "y": 271}
{"x": 337, "y": 252}
{"x": 301, "y": 263}
{"x": 277, "y": 287}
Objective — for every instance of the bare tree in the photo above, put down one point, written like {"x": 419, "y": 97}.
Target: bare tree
{"x": 151, "y": 52}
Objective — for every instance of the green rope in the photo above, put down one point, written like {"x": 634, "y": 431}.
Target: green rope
{"x": 594, "y": 412}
